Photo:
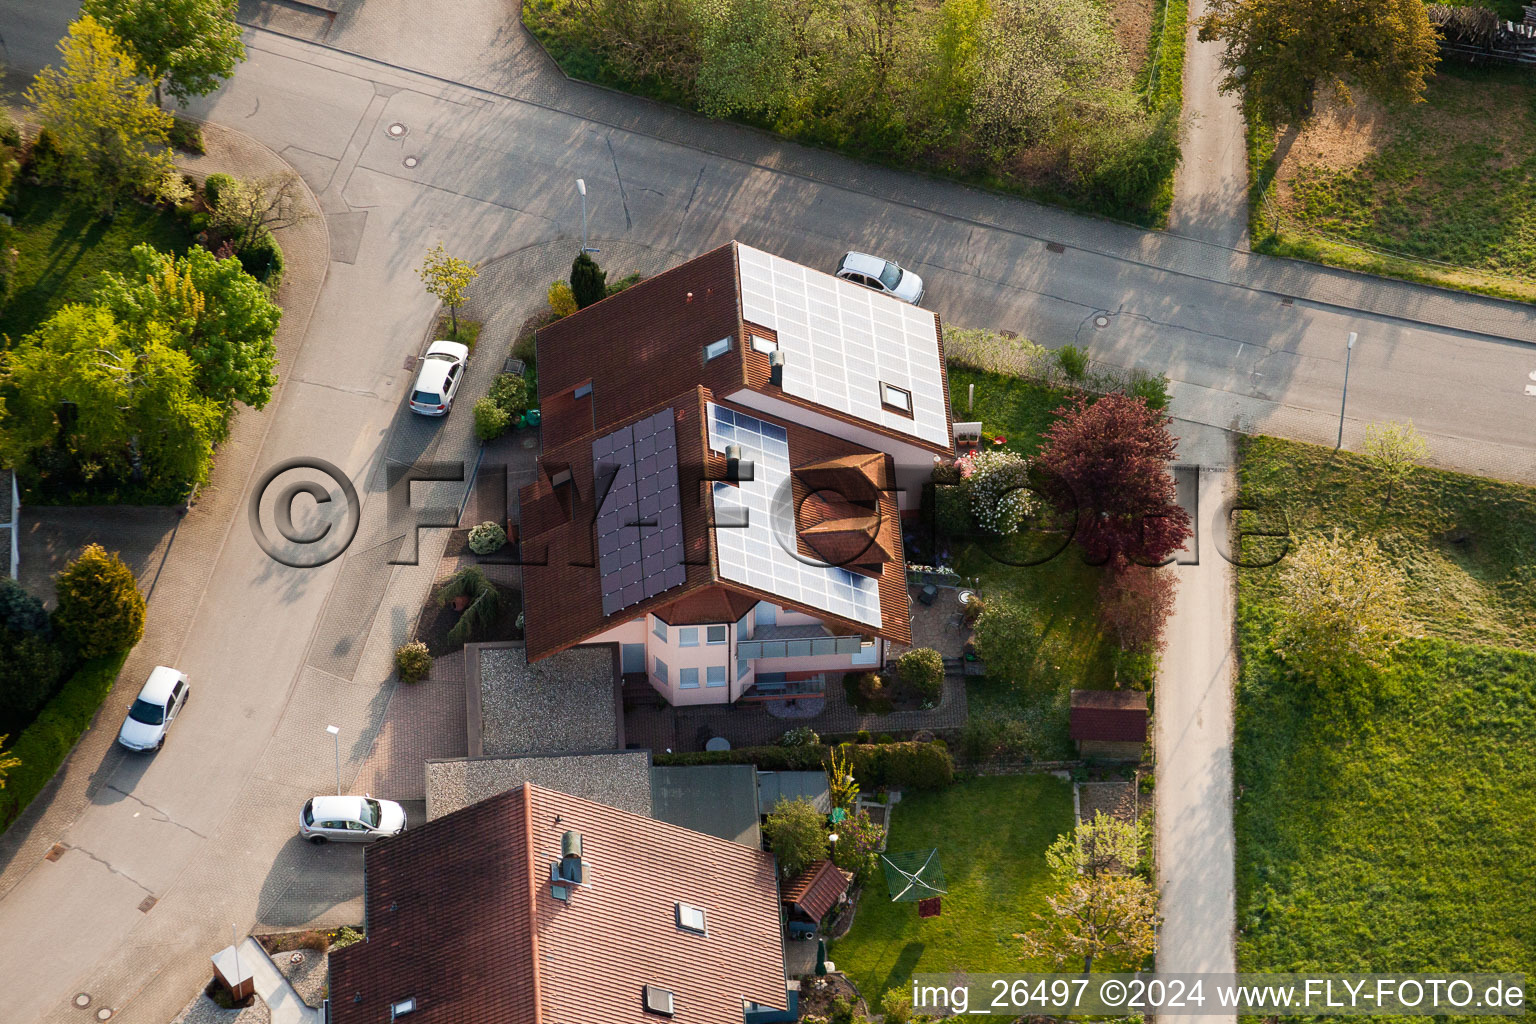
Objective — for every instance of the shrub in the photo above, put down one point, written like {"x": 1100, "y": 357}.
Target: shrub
{"x": 413, "y": 661}
{"x": 45, "y": 743}
{"x": 19, "y": 610}
{"x": 345, "y": 936}
{"x": 10, "y": 135}
{"x": 974, "y": 609}
{"x": 561, "y": 300}
{"x": 171, "y": 188}
{"x": 800, "y": 736}
{"x": 906, "y": 765}
{"x": 44, "y": 158}
{"x": 491, "y": 420}
{"x": 923, "y": 669}
{"x": 1150, "y": 389}
{"x": 510, "y": 393}
{"x": 486, "y": 538}
{"x": 588, "y": 281}
{"x": 484, "y": 602}
{"x": 198, "y": 222}
{"x": 622, "y": 283}
{"x": 214, "y": 185}
{"x": 100, "y": 611}
{"x": 896, "y": 1005}
{"x": 187, "y": 136}
{"x": 262, "y": 258}
{"x": 997, "y": 483}
{"x": 8, "y": 258}
{"x": 952, "y": 510}
{"x": 797, "y": 835}
{"x": 30, "y": 666}
{"x": 1073, "y": 361}
{"x": 1005, "y": 638}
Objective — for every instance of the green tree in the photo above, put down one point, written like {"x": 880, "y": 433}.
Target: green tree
{"x": 211, "y": 309}
{"x": 100, "y": 608}
{"x": 448, "y": 278}
{"x": 1099, "y": 846}
{"x": 747, "y": 56}
{"x": 7, "y": 761}
{"x": 1395, "y": 449}
{"x": 922, "y": 668}
{"x": 134, "y": 403}
{"x": 589, "y": 282}
{"x": 193, "y": 45}
{"x": 857, "y": 849}
{"x": 1278, "y": 52}
{"x": 110, "y": 134}
{"x": 1109, "y": 919}
{"x": 797, "y": 835}
{"x": 244, "y": 207}
{"x": 1344, "y": 605}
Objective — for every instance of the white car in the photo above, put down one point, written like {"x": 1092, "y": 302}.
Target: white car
{"x": 350, "y": 819}
{"x": 155, "y": 708}
{"x": 438, "y": 380}
{"x": 881, "y": 275}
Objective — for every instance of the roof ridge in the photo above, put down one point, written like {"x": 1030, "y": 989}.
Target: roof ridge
{"x": 526, "y": 808}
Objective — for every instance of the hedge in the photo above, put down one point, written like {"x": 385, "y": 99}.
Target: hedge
{"x": 906, "y": 765}
{"x": 44, "y": 744}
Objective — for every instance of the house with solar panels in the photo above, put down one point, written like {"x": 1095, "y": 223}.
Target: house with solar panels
{"x": 729, "y": 449}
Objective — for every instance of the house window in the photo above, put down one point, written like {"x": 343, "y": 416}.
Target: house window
{"x": 716, "y": 634}
{"x": 716, "y": 349}
{"x": 688, "y": 678}
{"x": 688, "y": 636}
{"x": 403, "y": 1007}
{"x": 582, "y": 391}
{"x": 661, "y": 670}
{"x": 660, "y": 629}
{"x": 714, "y": 675}
{"x": 690, "y": 919}
{"x": 896, "y": 399}
{"x": 767, "y": 346}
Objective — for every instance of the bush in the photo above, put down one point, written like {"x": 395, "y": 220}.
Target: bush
{"x": 622, "y": 283}
{"x": 560, "y": 298}
{"x": 952, "y": 510}
{"x": 997, "y": 485}
{"x": 797, "y": 834}
{"x": 906, "y": 765}
{"x": 413, "y": 661}
{"x": 19, "y": 610}
{"x": 215, "y": 184}
{"x": 44, "y": 159}
{"x": 30, "y": 666}
{"x": 491, "y": 420}
{"x": 10, "y": 135}
{"x": 1073, "y": 361}
{"x": 198, "y": 222}
{"x": 345, "y": 936}
{"x": 486, "y": 538}
{"x": 45, "y": 743}
{"x": 588, "y": 281}
{"x": 187, "y": 136}
{"x": 923, "y": 670}
{"x": 510, "y": 393}
{"x": 800, "y": 736}
{"x": 1150, "y": 389}
{"x": 262, "y": 258}
{"x": 100, "y": 611}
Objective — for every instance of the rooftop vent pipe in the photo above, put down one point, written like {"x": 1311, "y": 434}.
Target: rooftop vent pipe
{"x": 776, "y": 368}
{"x": 736, "y": 471}
{"x": 570, "y": 856}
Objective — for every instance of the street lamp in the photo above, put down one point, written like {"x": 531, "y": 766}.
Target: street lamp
{"x": 1349, "y": 352}
{"x": 581, "y": 186}
{"x": 336, "y": 737}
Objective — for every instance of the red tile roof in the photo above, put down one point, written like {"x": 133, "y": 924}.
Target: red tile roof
{"x": 461, "y": 918}
{"x": 816, "y": 889}
{"x": 1114, "y": 715}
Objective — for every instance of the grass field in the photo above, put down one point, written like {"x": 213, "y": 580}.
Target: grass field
{"x": 64, "y": 248}
{"x": 1398, "y": 837}
{"x": 991, "y": 834}
{"x": 1451, "y": 180}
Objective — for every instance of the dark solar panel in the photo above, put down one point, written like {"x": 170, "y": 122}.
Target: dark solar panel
{"x": 640, "y": 520}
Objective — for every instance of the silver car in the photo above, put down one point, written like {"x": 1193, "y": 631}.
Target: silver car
{"x": 350, "y": 819}
{"x": 154, "y": 709}
{"x": 881, "y": 275}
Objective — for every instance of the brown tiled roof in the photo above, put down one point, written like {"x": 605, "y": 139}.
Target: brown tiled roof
{"x": 816, "y": 889}
{"x": 460, "y": 917}
{"x": 1114, "y": 715}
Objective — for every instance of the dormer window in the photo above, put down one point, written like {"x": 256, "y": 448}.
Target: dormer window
{"x": 715, "y": 349}
{"x": 896, "y": 399}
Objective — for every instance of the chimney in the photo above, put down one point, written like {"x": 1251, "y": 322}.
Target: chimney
{"x": 776, "y": 368}
{"x": 570, "y": 856}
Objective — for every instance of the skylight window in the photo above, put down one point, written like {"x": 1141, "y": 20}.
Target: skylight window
{"x": 690, "y": 919}
{"x": 658, "y": 1000}
{"x": 715, "y": 349}
{"x": 403, "y": 1007}
{"x": 896, "y": 398}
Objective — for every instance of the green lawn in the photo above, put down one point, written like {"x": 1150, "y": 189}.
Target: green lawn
{"x": 991, "y": 834}
{"x": 1453, "y": 179}
{"x": 1399, "y": 837}
{"x": 64, "y": 247}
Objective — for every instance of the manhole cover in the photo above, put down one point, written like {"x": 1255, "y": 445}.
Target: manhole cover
{"x": 297, "y": 958}
{"x": 410, "y": 161}
{"x": 103, "y": 1014}
{"x": 1101, "y": 321}
{"x": 83, "y": 1000}
{"x": 396, "y": 130}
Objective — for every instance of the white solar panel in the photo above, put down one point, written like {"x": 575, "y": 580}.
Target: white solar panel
{"x": 763, "y": 553}
{"x": 840, "y": 341}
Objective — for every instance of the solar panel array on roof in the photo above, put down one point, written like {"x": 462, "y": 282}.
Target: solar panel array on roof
{"x": 841, "y": 342}
{"x": 764, "y": 553}
{"x": 640, "y": 520}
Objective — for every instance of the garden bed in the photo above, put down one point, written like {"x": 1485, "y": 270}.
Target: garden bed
{"x": 436, "y": 621}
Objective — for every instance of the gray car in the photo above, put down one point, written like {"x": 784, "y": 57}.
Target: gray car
{"x": 350, "y": 819}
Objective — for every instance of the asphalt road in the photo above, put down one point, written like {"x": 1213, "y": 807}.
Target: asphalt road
{"x": 498, "y": 140}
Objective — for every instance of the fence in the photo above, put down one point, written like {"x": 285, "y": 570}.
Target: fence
{"x": 1476, "y": 34}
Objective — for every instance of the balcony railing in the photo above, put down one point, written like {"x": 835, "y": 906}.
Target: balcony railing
{"x": 751, "y": 650}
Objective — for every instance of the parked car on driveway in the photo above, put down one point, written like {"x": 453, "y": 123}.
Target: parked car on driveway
{"x": 154, "y": 709}
{"x": 442, "y": 371}
{"x": 881, "y": 275}
{"x": 350, "y": 819}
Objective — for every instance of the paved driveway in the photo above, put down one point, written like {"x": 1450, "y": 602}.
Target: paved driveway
{"x": 497, "y": 141}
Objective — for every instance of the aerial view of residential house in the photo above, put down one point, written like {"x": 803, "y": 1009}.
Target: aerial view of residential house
{"x": 721, "y": 491}
{"x": 538, "y": 906}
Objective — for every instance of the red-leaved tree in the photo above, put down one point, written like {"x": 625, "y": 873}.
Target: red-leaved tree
{"x": 1106, "y": 462}
{"x": 1134, "y": 604}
